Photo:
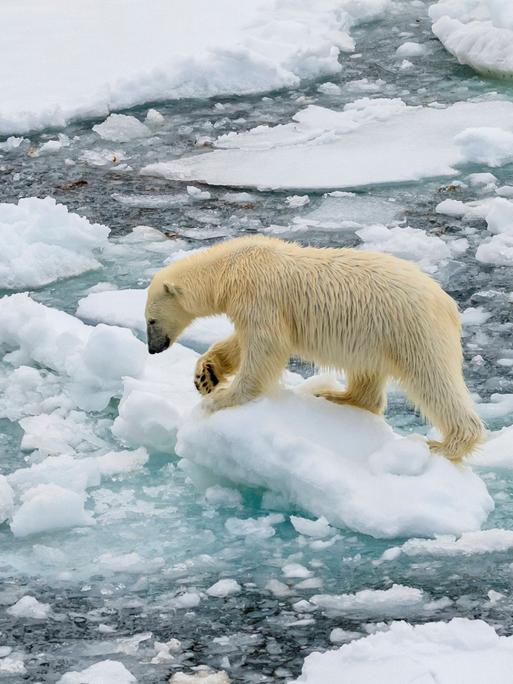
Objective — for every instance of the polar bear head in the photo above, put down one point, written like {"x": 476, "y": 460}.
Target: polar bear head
{"x": 166, "y": 317}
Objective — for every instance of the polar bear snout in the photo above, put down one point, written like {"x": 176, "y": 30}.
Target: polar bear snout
{"x": 158, "y": 341}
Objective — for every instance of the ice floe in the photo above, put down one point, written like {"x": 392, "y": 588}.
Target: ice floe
{"x": 203, "y": 51}
{"x": 338, "y": 462}
{"x": 435, "y": 652}
{"x": 348, "y": 148}
{"x": 477, "y": 32}
{"x": 43, "y": 242}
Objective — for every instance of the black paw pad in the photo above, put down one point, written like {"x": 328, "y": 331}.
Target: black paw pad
{"x": 212, "y": 376}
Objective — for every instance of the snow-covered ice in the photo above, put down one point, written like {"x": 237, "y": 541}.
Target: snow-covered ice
{"x": 438, "y": 652}
{"x": 482, "y": 541}
{"x": 202, "y": 50}
{"x": 110, "y": 671}
{"x": 29, "y": 607}
{"x": 477, "y": 32}
{"x": 43, "y": 242}
{"x": 301, "y": 447}
{"x": 348, "y": 148}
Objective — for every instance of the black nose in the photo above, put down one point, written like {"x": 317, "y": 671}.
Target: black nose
{"x": 160, "y": 346}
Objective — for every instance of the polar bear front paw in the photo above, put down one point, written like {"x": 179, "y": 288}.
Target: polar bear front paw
{"x": 205, "y": 377}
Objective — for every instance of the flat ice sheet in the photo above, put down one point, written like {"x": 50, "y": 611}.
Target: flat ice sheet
{"x": 370, "y": 142}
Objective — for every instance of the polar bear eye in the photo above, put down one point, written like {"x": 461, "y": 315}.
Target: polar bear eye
{"x": 152, "y": 321}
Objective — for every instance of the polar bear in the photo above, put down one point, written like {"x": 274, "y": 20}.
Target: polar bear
{"x": 373, "y": 315}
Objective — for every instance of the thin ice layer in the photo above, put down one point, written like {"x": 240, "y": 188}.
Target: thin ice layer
{"x": 371, "y": 141}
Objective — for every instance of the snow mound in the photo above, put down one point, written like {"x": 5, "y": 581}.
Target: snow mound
{"x": 441, "y": 652}
{"x": 43, "y": 242}
{"x": 344, "y": 149}
{"x": 477, "y": 32}
{"x": 205, "y": 49}
{"x": 335, "y": 461}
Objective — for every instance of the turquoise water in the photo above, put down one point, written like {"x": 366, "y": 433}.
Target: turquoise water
{"x": 156, "y": 512}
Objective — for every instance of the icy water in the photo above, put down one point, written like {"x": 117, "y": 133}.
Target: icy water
{"x": 261, "y": 634}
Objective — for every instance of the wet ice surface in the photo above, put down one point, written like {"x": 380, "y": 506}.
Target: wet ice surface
{"x": 139, "y": 577}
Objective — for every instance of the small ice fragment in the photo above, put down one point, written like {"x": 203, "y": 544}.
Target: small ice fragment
{"x": 121, "y": 128}
{"x": 410, "y": 49}
{"x": 29, "y": 607}
{"x": 197, "y": 193}
{"x": 296, "y": 570}
{"x": 224, "y": 587}
{"x": 319, "y": 528}
{"x": 295, "y": 201}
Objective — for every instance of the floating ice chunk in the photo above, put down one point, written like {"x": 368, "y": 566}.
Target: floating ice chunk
{"x": 65, "y": 471}
{"x": 410, "y": 49}
{"x": 367, "y": 135}
{"x": 223, "y": 496}
{"x": 121, "y": 128}
{"x": 254, "y": 528}
{"x": 482, "y": 541}
{"x": 224, "y": 587}
{"x": 477, "y": 32}
{"x": 398, "y": 601}
{"x": 434, "y": 652}
{"x": 429, "y": 251}
{"x": 12, "y": 664}
{"x": 296, "y": 571}
{"x": 154, "y": 118}
{"x": 53, "y": 146}
{"x": 329, "y": 88}
{"x": 110, "y": 671}
{"x": 475, "y": 315}
{"x": 319, "y": 528}
{"x": 48, "y": 507}
{"x": 116, "y": 462}
{"x": 42, "y": 242}
{"x": 197, "y": 193}
{"x": 340, "y": 636}
{"x": 12, "y": 143}
{"x": 30, "y": 607}
{"x": 482, "y": 180}
{"x": 187, "y": 600}
{"x": 6, "y": 499}
{"x": 298, "y": 446}
{"x": 205, "y": 676}
{"x": 295, "y": 201}
{"x": 491, "y": 146}
{"x": 498, "y": 251}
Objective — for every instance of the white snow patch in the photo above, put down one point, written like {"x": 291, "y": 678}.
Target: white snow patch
{"x": 434, "y": 652}
{"x": 486, "y": 145}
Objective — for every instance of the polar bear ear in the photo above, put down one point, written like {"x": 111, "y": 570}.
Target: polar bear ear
{"x": 172, "y": 289}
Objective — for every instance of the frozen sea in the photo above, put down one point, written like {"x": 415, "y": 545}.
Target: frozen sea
{"x": 131, "y": 558}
